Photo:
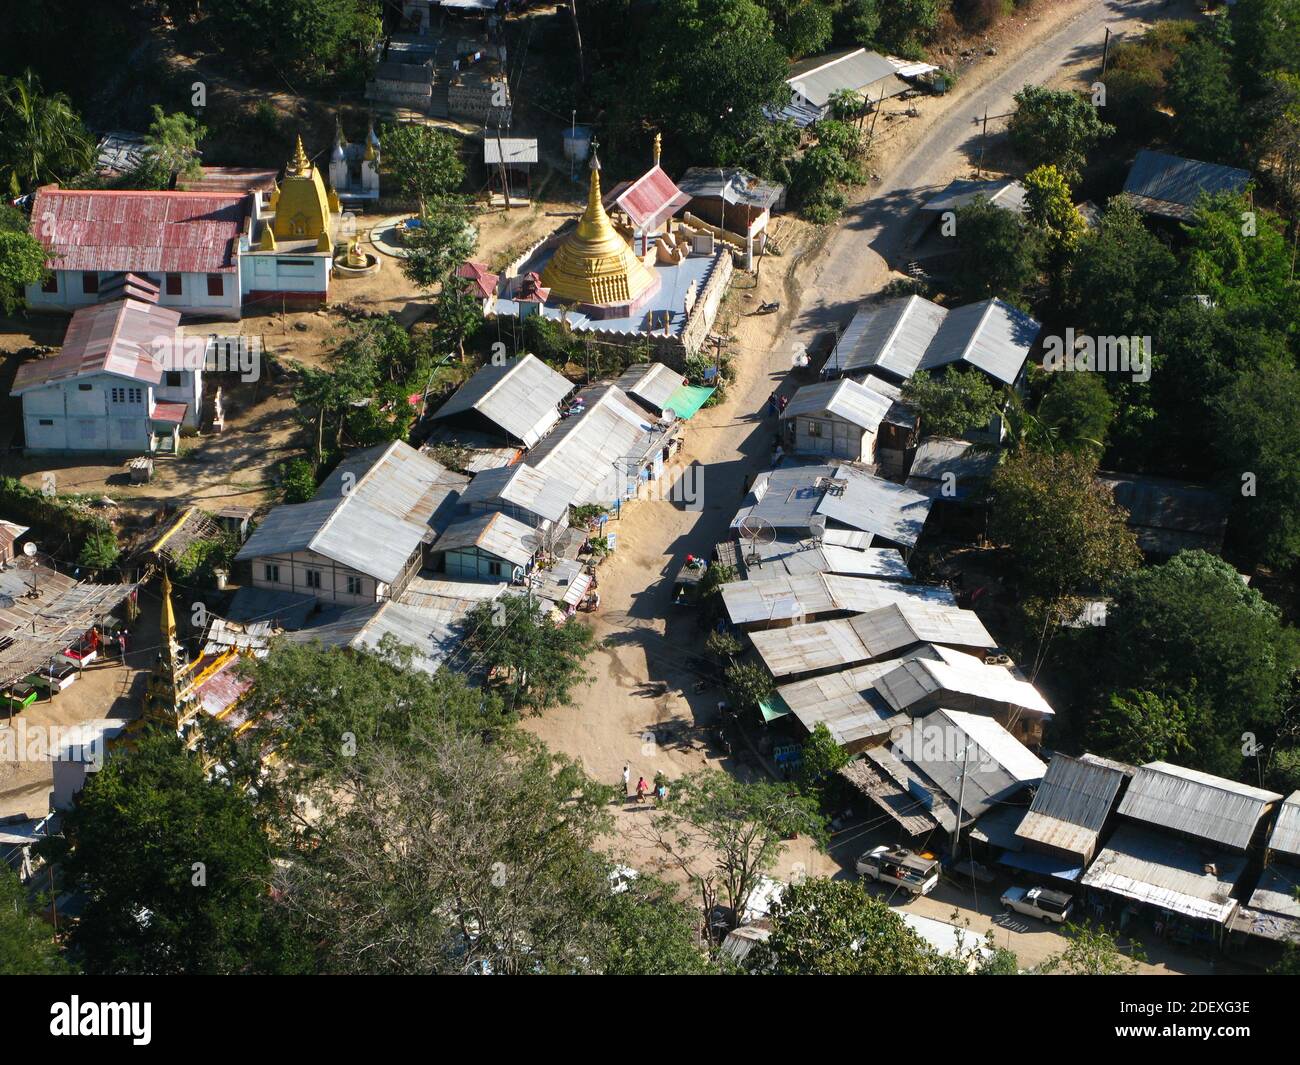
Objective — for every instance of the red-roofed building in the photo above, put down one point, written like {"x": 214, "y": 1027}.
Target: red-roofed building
{"x": 125, "y": 382}
{"x": 483, "y": 283}
{"x": 648, "y": 202}
{"x": 185, "y": 243}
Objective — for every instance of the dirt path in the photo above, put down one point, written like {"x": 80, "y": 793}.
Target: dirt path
{"x": 643, "y": 707}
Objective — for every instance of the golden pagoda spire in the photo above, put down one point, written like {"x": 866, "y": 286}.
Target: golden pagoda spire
{"x": 162, "y": 693}
{"x": 300, "y": 164}
{"x": 659, "y": 146}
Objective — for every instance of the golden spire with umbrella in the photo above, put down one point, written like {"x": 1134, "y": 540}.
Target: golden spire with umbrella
{"x": 594, "y": 264}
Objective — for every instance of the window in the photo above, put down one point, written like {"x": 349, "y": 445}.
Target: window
{"x": 85, "y": 388}
{"x": 272, "y": 573}
{"x": 313, "y": 578}
{"x": 216, "y": 285}
{"x": 494, "y": 569}
{"x": 89, "y": 282}
{"x": 173, "y": 379}
{"x": 814, "y": 428}
{"x": 118, "y": 395}
{"x": 51, "y": 283}
{"x": 354, "y": 586}
{"x": 45, "y": 421}
{"x": 137, "y": 395}
{"x": 173, "y": 284}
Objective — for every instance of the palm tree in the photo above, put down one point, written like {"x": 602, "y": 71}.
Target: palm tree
{"x": 41, "y": 137}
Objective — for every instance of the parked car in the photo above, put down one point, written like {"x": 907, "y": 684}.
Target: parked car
{"x": 1053, "y": 907}
{"x": 899, "y": 866}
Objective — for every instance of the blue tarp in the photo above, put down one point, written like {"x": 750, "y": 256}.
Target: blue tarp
{"x": 1061, "y": 868}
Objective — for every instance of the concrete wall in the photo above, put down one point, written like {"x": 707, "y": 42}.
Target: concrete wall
{"x": 333, "y": 578}
{"x": 193, "y": 300}
{"x": 97, "y": 413}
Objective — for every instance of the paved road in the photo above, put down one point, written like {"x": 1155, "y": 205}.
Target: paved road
{"x": 875, "y": 232}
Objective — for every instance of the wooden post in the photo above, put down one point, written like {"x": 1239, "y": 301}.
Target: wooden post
{"x": 984, "y": 133}
{"x": 1105, "y": 52}
{"x": 501, "y": 162}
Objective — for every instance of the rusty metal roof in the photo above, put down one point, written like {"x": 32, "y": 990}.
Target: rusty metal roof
{"x": 160, "y": 232}
{"x": 650, "y": 199}
{"x": 123, "y": 338}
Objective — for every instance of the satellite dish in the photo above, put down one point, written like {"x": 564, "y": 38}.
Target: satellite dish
{"x": 758, "y": 531}
{"x": 29, "y": 549}
{"x": 800, "y": 357}
{"x": 817, "y": 526}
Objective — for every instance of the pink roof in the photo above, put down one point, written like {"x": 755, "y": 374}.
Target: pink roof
{"x": 118, "y": 338}
{"x": 162, "y": 232}
{"x": 484, "y": 281}
{"x": 652, "y": 198}
{"x": 167, "y": 411}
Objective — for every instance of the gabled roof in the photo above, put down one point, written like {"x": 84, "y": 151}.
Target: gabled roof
{"x": 857, "y": 404}
{"x": 1071, "y": 805}
{"x": 845, "y": 702}
{"x": 731, "y": 185}
{"x": 519, "y": 397}
{"x": 953, "y": 675}
{"x": 1005, "y": 193}
{"x": 127, "y": 338}
{"x": 650, "y": 199}
{"x": 892, "y": 337}
{"x": 806, "y": 557}
{"x": 1197, "y": 804}
{"x": 496, "y": 533}
{"x": 591, "y": 451}
{"x": 907, "y": 622}
{"x": 142, "y": 232}
{"x": 522, "y": 486}
{"x": 818, "y": 78}
{"x": 1169, "y": 185}
{"x": 781, "y": 597}
{"x": 990, "y": 335}
{"x": 370, "y": 514}
{"x": 938, "y": 456}
{"x": 1169, "y": 516}
{"x": 1285, "y": 837}
{"x": 651, "y": 383}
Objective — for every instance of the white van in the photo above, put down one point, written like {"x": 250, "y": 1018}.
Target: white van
{"x": 1054, "y": 907}
{"x": 897, "y": 865}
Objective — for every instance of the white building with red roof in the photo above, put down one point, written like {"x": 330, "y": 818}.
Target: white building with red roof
{"x": 125, "y": 382}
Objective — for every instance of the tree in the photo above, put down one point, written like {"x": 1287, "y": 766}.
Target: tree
{"x": 648, "y": 931}
{"x": 423, "y": 161}
{"x": 748, "y": 684}
{"x": 803, "y": 27}
{"x": 821, "y": 758}
{"x": 905, "y": 25}
{"x": 846, "y": 105}
{"x": 172, "y": 141}
{"x": 1140, "y": 727}
{"x": 533, "y": 662}
{"x": 100, "y": 550}
{"x": 458, "y": 314}
{"x": 22, "y": 263}
{"x": 1078, "y": 410}
{"x": 1050, "y": 207}
{"x": 322, "y": 708}
{"x": 174, "y": 864}
{"x": 952, "y": 403}
{"x": 448, "y": 855}
{"x": 298, "y": 480}
{"x": 1203, "y": 633}
{"x": 998, "y": 255}
{"x": 1056, "y": 127}
{"x": 1093, "y": 952}
{"x": 443, "y": 240}
{"x": 27, "y": 946}
{"x": 1257, "y": 437}
{"x": 722, "y": 831}
{"x": 323, "y": 41}
{"x": 1065, "y": 535}
{"x": 42, "y": 138}
{"x": 824, "y": 927}
{"x": 1204, "y": 98}
{"x": 1121, "y": 277}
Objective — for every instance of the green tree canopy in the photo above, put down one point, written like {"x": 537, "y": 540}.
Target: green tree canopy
{"x": 1056, "y": 127}
{"x": 952, "y": 403}
{"x": 1078, "y": 410}
{"x": 443, "y": 240}
{"x": 997, "y": 253}
{"x": 424, "y": 161}
{"x": 42, "y": 138}
{"x": 27, "y": 946}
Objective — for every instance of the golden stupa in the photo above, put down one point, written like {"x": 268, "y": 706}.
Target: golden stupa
{"x": 302, "y": 208}
{"x": 595, "y": 265}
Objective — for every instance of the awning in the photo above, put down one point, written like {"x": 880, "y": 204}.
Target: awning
{"x": 773, "y": 708}
{"x": 1033, "y": 862}
{"x": 688, "y": 399}
{"x": 172, "y": 413}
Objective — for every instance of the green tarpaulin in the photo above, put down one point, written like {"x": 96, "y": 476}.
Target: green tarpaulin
{"x": 688, "y": 399}
{"x": 774, "y": 708}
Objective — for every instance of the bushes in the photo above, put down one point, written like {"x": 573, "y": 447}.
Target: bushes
{"x": 298, "y": 479}
{"x": 64, "y": 522}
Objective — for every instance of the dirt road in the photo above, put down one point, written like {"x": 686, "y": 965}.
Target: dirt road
{"x": 649, "y": 696}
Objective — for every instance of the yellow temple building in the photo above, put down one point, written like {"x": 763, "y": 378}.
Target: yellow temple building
{"x": 595, "y": 267}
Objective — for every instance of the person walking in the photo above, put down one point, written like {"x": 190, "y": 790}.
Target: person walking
{"x": 627, "y": 779}
{"x": 771, "y": 405}
{"x": 121, "y": 645}
{"x": 641, "y": 788}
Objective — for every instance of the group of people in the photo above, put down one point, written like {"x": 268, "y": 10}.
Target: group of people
{"x": 643, "y": 789}
{"x": 776, "y": 404}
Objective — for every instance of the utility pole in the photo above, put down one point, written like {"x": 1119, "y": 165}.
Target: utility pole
{"x": 501, "y": 162}
{"x": 1105, "y": 52}
{"x": 984, "y": 135}
{"x": 961, "y": 800}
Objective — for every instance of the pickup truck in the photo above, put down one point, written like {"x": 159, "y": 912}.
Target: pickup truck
{"x": 899, "y": 866}
{"x": 1053, "y": 907}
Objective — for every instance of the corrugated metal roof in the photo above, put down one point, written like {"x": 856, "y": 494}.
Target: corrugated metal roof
{"x": 1195, "y": 803}
{"x": 954, "y": 674}
{"x": 892, "y": 337}
{"x": 1071, "y": 805}
{"x": 882, "y": 508}
{"x": 731, "y": 185}
{"x": 1169, "y": 516}
{"x": 799, "y": 649}
{"x": 902, "y": 624}
{"x": 1276, "y": 893}
{"x": 496, "y": 533}
{"x": 591, "y": 450}
{"x": 522, "y": 486}
{"x": 128, "y": 338}
{"x": 1170, "y": 185}
{"x": 804, "y": 557}
{"x": 515, "y": 150}
{"x": 370, "y": 514}
{"x": 844, "y": 702}
{"x": 651, "y": 382}
{"x": 990, "y": 335}
{"x": 888, "y": 782}
{"x": 819, "y": 78}
{"x": 650, "y": 199}
{"x": 1168, "y": 872}
{"x": 1285, "y": 837}
{"x": 1006, "y": 193}
{"x": 141, "y": 232}
{"x": 779, "y": 597}
{"x": 857, "y": 404}
{"x": 519, "y": 397}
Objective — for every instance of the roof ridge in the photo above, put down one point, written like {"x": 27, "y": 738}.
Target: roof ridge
{"x": 984, "y": 316}
{"x": 343, "y": 499}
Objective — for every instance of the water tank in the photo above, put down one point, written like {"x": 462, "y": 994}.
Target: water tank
{"x": 577, "y": 144}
